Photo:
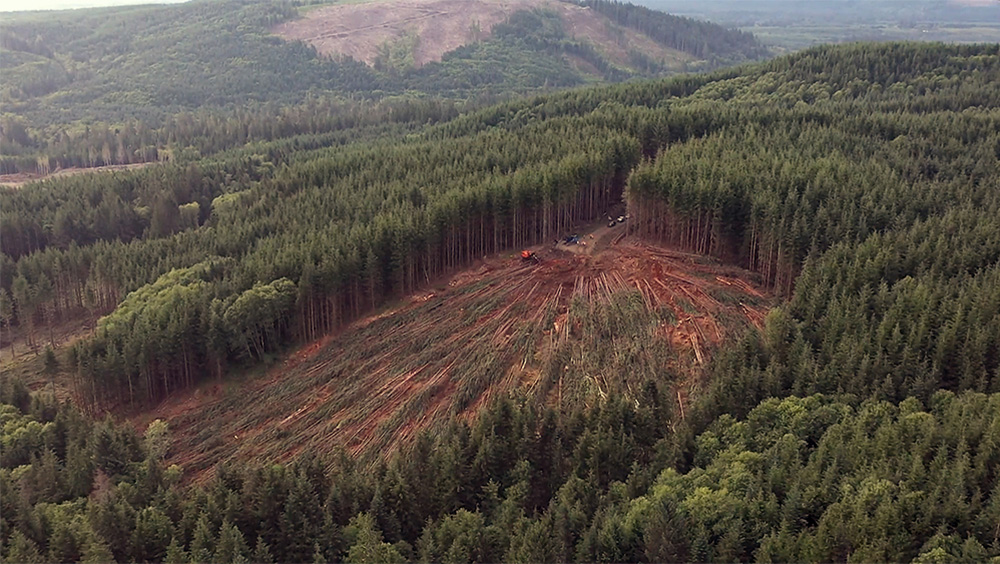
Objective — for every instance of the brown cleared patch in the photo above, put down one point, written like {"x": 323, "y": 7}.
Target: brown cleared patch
{"x": 448, "y": 351}
{"x": 22, "y": 361}
{"x": 63, "y": 333}
{"x": 19, "y": 179}
{"x": 358, "y": 30}
{"x": 614, "y": 41}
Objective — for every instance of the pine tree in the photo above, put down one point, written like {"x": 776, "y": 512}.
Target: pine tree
{"x": 95, "y": 552}
{"x": 261, "y": 553}
{"x": 203, "y": 542}
{"x": 6, "y": 316}
{"x": 175, "y": 553}
{"x": 318, "y": 557}
{"x": 231, "y": 546}
{"x": 23, "y": 549}
{"x": 369, "y": 547}
{"x": 301, "y": 520}
{"x": 151, "y": 536}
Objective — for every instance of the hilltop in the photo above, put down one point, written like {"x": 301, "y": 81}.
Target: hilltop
{"x": 413, "y": 33}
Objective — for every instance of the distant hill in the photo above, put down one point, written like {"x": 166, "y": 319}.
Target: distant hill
{"x": 117, "y": 86}
{"x": 147, "y": 63}
{"x": 598, "y": 39}
{"x": 33, "y": 5}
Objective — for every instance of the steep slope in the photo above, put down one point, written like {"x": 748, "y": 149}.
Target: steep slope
{"x": 201, "y": 267}
{"x": 364, "y": 31}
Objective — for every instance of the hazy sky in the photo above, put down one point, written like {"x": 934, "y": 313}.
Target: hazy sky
{"x": 18, "y": 5}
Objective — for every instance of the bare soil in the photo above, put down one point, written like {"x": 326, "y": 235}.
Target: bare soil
{"x": 20, "y": 360}
{"x": 21, "y": 178}
{"x": 584, "y": 23}
{"x": 448, "y": 350}
{"x": 358, "y": 30}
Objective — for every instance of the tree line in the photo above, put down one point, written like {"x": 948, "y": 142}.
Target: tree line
{"x": 705, "y": 40}
{"x": 811, "y": 478}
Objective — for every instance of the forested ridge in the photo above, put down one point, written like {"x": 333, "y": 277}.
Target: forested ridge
{"x": 860, "y": 182}
{"x": 94, "y": 87}
{"x": 685, "y": 34}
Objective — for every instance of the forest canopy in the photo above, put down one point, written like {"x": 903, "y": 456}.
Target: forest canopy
{"x": 861, "y": 423}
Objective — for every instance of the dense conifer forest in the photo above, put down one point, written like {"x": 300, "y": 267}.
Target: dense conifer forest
{"x": 862, "y": 423}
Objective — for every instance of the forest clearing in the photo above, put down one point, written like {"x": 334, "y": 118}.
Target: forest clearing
{"x": 519, "y": 332}
{"x": 363, "y": 30}
{"x": 18, "y": 179}
{"x": 588, "y": 320}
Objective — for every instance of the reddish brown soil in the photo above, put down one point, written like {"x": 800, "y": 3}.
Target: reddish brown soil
{"x": 359, "y": 29}
{"x": 384, "y": 379}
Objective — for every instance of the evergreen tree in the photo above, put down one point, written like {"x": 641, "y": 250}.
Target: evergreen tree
{"x": 231, "y": 546}
{"x": 23, "y": 549}
{"x": 261, "y": 552}
{"x": 203, "y": 542}
{"x": 97, "y": 552}
{"x": 175, "y": 553}
{"x": 369, "y": 547}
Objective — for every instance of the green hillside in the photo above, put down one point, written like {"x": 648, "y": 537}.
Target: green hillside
{"x": 860, "y": 423}
{"x": 115, "y": 86}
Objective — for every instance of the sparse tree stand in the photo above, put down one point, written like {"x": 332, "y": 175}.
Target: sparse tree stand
{"x": 24, "y": 299}
{"x": 6, "y": 316}
{"x": 50, "y": 365}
